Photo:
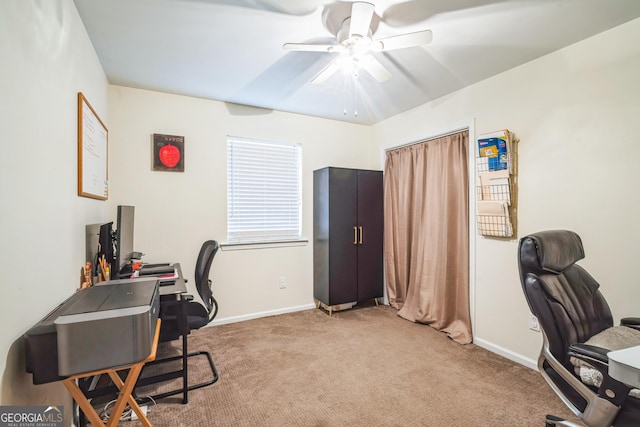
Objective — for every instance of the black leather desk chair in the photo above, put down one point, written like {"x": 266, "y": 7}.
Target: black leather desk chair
{"x": 571, "y": 310}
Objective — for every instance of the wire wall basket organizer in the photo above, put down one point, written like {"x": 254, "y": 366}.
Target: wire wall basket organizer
{"x": 496, "y": 192}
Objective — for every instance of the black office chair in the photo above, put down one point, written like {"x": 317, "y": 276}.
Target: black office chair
{"x": 177, "y": 323}
{"x": 571, "y": 311}
{"x": 197, "y": 314}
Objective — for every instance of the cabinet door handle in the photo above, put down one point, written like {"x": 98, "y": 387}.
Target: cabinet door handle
{"x": 355, "y": 235}
{"x": 360, "y": 234}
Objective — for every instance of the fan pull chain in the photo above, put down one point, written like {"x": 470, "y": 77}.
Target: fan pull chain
{"x": 345, "y": 95}
{"x": 355, "y": 94}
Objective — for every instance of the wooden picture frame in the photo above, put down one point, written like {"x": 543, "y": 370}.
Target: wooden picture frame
{"x": 93, "y": 138}
{"x": 168, "y": 153}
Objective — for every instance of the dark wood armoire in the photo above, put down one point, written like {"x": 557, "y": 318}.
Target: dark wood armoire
{"x": 347, "y": 236}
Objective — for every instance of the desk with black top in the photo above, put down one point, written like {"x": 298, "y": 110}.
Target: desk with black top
{"x": 41, "y": 340}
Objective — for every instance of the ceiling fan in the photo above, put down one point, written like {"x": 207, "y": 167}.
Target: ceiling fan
{"x": 353, "y": 28}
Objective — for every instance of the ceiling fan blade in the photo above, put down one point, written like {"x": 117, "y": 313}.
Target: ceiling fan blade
{"x": 308, "y": 47}
{"x": 327, "y": 72}
{"x": 361, "y": 14}
{"x": 286, "y": 7}
{"x": 375, "y": 68}
{"x": 402, "y": 41}
{"x": 297, "y": 8}
{"x": 411, "y": 12}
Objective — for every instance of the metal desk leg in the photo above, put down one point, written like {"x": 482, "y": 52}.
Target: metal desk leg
{"x": 185, "y": 352}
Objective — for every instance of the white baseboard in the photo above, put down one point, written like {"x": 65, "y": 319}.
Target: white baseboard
{"x": 525, "y": 361}
{"x": 242, "y": 318}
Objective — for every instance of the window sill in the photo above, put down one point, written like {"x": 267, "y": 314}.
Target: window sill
{"x": 262, "y": 245}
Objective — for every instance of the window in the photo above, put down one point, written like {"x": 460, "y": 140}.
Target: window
{"x": 263, "y": 191}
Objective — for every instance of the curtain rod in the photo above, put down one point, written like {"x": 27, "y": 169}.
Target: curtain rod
{"x": 431, "y": 138}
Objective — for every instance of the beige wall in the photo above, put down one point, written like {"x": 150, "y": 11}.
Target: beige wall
{"x": 575, "y": 112}
{"x": 47, "y": 59}
{"x": 176, "y": 212}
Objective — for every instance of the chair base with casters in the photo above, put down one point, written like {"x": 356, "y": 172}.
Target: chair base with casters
{"x": 573, "y": 314}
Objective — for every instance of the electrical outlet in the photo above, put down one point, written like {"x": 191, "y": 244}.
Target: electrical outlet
{"x": 144, "y": 409}
{"x": 533, "y": 323}
{"x": 283, "y": 282}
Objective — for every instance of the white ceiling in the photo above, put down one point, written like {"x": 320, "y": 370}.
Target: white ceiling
{"x": 232, "y": 51}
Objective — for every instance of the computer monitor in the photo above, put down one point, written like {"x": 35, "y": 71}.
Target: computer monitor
{"x": 124, "y": 238}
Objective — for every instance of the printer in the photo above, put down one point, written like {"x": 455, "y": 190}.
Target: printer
{"x": 103, "y": 326}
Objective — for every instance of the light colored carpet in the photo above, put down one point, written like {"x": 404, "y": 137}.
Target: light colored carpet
{"x": 360, "y": 367}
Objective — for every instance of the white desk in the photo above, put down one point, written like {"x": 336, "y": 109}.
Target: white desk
{"x": 624, "y": 365}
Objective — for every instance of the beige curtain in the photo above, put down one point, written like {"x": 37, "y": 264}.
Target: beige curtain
{"x": 426, "y": 236}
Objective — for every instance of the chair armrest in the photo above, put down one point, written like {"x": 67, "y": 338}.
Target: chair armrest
{"x": 591, "y": 354}
{"x": 611, "y": 389}
{"x": 631, "y": 322}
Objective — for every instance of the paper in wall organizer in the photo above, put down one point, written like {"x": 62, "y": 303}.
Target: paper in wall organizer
{"x": 494, "y": 151}
{"x": 496, "y": 186}
{"x": 493, "y": 218}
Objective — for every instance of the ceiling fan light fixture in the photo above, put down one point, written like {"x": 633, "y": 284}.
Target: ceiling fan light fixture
{"x": 350, "y": 64}
{"x": 346, "y": 37}
{"x": 353, "y": 25}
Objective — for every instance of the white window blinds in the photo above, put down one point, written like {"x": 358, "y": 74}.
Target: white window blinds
{"x": 263, "y": 190}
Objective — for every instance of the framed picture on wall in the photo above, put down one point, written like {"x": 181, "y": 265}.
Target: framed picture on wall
{"x": 168, "y": 153}
{"x": 92, "y": 152}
